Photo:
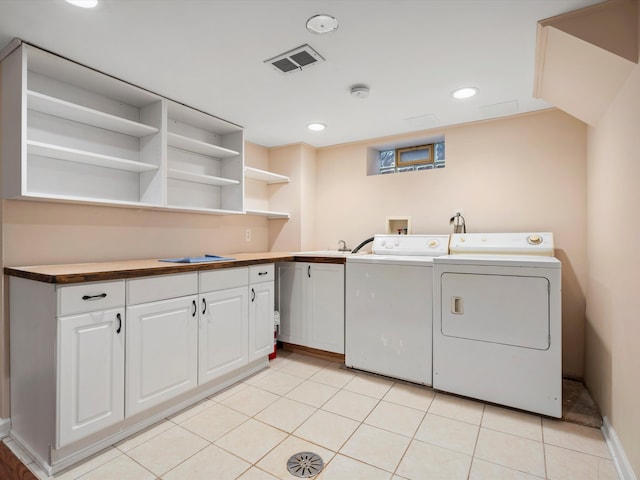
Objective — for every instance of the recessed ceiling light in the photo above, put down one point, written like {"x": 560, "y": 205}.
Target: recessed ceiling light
{"x": 322, "y": 24}
{"x": 316, "y": 127}
{"x": 465, "y": 92}
{"x": 84, "y": 3}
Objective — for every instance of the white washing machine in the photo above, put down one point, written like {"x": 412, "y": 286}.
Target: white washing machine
{"x": 388, "y": 306}
{"x": 497, "y": 327}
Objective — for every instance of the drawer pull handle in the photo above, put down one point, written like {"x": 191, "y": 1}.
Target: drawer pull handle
{"x": 94, "y": 297}
{"x": 204, "y": 306}
{"x": 253, "y": 294}
{"x": 309, "y": 271}
{"x": 119, "y": 317}
{"x": 262, "y": 273}
{"x": 195, "y": 309}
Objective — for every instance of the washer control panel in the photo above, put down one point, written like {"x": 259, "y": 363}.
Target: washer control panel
{"x": 425, "y": 245}
{"x": 528, "y": 243}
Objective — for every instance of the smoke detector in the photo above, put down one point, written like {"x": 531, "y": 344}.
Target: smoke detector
{"x": 359, "y": 91}
{"x": 295, "y": 60}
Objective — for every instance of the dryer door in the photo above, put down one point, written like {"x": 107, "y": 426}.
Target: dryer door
{"x": 504, "y": 309}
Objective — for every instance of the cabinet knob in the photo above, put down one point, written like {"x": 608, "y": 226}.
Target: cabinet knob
{"x": 253, "y": 294}
{"x": 195, "y": 309}
{"x": 204, "y": 306}
{"x": 119, "y": 317}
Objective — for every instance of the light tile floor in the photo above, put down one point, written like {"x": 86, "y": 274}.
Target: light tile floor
{"x": 363, "y": 426}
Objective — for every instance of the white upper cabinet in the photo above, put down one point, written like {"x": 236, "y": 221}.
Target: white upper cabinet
{"x": 71, "y": 133}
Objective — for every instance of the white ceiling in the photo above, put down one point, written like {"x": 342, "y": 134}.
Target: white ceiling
{"x": 209, "y": 54}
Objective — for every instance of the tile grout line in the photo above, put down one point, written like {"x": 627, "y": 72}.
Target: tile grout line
{"x": 411, "y": 440}
{"x": 544, "y": 448}
{"x": 475, "y": 446}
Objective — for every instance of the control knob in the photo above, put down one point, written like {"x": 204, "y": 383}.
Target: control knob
{"x": 534, "y": 239}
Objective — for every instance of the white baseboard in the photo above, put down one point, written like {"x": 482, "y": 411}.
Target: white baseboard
{"x": 5, "y": 426}
{"x": 620, "y": 460}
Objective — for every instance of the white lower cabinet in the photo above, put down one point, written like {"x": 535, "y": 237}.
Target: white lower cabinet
{"x": 325, "y": 307}
{"x": 223, "y": 332}
{"x": 311, "y": 305}
{"x": 90, "y": 373}
{"x": 90, "y": 361}
{"x": 262, "y": 293}
{"x": 162, "y": 346}
{"x": 236, "y": 324}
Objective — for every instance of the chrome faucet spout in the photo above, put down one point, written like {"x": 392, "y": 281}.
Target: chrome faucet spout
{"x": 343, "y": 248}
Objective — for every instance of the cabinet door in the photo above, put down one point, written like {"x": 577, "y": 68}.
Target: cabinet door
{"x": 290, "y": 285}
{"x": 261, "y": 320}
{"x": 90, "y": 373}
{"x": 223, "y": 332}
{"x": 161, "y": 350}
{"x": 325, "y": 307}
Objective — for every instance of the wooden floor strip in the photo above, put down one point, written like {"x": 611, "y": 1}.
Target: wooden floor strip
{"x": 11, "y": 468}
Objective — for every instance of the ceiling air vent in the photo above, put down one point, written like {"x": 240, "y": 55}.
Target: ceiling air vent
{"x": 295, "y": 60}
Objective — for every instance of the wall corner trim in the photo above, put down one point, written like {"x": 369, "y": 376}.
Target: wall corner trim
{"x": 620, "y": 459}
{"x": 5, "y": 426}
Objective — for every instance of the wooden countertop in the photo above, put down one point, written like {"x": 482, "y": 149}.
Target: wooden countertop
{"x": 100, "y": 271}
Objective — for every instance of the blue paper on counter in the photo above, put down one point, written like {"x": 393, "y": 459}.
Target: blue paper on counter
{"x": 206, "y": 258}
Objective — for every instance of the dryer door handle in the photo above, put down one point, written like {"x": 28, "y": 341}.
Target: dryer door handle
{"x": 457, "y": 305}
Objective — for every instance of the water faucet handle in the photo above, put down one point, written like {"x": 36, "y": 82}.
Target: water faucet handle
{"x": 343, "y": 248}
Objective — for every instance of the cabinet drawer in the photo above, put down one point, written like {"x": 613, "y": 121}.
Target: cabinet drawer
{"x": 261, "y": 273}
{"x": 222, "y": 279}
{"x": 150, "y": 289}
{"x": 90, "y": 297}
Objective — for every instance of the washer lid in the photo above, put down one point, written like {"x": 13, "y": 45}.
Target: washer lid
{"x": 499, "y": 260}
{"x": 527, "y": 243}
{"x": 412, "y": 260}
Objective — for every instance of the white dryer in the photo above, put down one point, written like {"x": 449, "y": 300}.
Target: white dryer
{"x": 497, "y": 320}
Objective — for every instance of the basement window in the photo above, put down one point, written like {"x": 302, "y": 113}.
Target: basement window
{"x": 410, "y": 159}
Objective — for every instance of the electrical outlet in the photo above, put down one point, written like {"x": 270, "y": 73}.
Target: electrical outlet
{"x": 247, "y": 235}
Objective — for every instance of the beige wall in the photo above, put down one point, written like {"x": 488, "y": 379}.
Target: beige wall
{"x": 298, "y": 162}
{"x": 612, "y": 360}
{"x": 523, "y": 173}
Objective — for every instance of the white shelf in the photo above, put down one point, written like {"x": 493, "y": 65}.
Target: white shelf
{"x": 200, "y": 178}
{"x": 265, "y": 213}
{"x": 264, "y": 175}
{"x": 39, "y": 196}
{"x": 87, "y": 158}
{"x": 192, "y": 209}
{"x": 185, "y": 143}
{"x": 78, "y": 113}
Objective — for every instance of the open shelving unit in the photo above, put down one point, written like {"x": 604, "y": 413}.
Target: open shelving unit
{"x": 205, "y": 161}
{"x": 73, "y": 134}
{"x": 270, "y": 178}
